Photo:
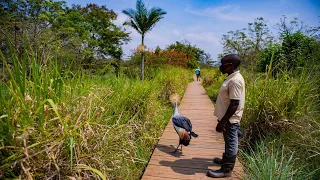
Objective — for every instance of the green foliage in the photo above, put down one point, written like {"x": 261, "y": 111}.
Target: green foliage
{"x": 192, "y": 53}
{"x": 132, "y": 72}
{"x": 264, "y": 162}
{"x": 282, "y": 102}
{"x": 181, "y": 54}
{"x": 274, "y": 105}
{"x": 285, "y": 107}
{"x": 248, "y": 43}
{"x": 192, "y": 63}
{"x": 105, "y": 36}
{"x": 296, "y": 50}
{"x": 272, "y": 52}
{"x": 84, "y": 33}
{"x": 304, "y": 141}
{"x": 58, "y": 123}
{"x": 212, "y": 80}
{"x": 153, "y": 59}
{"x": 158, "y": 50}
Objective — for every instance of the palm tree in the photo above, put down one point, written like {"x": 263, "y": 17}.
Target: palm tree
{"x": 143, "y": 20}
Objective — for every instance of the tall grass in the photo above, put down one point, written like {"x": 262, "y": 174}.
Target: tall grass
{"x": 57, "y": 123}
{"x": 212, "y": 80}
{"x": 265, "y": 163}
{"x": 286, "y": 107}
{"x": 279, "y": 103}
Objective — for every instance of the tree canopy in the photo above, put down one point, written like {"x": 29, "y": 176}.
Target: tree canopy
{"x": 88, "y": 32}
{"x": 297, "y": 45}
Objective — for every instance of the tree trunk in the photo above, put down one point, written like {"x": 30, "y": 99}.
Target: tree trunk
{"x": 142, "y": 59}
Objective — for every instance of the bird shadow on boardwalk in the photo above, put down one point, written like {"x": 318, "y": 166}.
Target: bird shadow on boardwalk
{"x": 185, "y": 166}
{"x": 189, "y": 166}
{"x": 169, "y": 150}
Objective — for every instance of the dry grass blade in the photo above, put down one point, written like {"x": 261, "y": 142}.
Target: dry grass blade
{"x": 96, "y": 171}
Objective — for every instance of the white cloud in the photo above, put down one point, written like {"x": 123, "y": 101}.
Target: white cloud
{"x": 194, "y": 28}
{"x": 159, "y": 36}
{"x": 225, "y": 12}
{"x": 121, "y": 18}
{"x": 202, "y": 37}
{"x": 206, "y": 40}
{"x": 176, "y": 32}
{"x": 165, "y": 34}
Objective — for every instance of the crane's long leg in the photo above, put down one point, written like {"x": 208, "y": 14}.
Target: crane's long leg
{"x": 177, "y": 148}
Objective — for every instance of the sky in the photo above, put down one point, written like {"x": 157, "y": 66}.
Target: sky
{"x": 203, "y": 22}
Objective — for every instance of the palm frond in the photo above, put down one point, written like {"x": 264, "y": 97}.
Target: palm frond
{"x": 141, "y": 7}
{"x": 154, "y": 15}
{"x": 130, "y": 12}
{"x": 141, "y": 15}
{"x": 133, "y": 24}
{"x": 158, "y": 10}
{"x": 132, "y": 21}
{"x": 142, "y": 19}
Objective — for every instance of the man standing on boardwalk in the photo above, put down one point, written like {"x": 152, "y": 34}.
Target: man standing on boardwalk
{"x": 197, "y": 71}
{"x": 229, "y": 109}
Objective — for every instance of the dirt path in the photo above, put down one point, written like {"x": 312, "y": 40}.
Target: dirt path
{"x": 197, "y": 158}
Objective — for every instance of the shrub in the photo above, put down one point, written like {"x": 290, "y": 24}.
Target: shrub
{"x": 296, "y": 50}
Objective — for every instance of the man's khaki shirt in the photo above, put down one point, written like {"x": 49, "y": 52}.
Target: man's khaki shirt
{"x": 232, "y": 88}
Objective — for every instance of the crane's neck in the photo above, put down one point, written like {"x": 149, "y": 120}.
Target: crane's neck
{"x": 176, "y": 112}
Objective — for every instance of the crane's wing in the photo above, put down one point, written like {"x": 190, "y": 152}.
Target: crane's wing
{"x": 182, "y": 122}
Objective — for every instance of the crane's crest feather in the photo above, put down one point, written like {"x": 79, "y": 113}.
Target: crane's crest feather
{"x": 174, "y": 98}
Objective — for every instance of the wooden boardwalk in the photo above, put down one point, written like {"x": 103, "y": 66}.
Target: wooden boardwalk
{"x": 197, "y": 158}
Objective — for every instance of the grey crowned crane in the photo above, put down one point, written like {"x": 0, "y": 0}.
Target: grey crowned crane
{"x": 183, "y": 127}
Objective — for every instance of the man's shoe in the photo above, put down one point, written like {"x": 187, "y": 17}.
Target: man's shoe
{"x": 217, "y": 160}
{"x": 219, "y": 173}
{"x": 226, "y": 168}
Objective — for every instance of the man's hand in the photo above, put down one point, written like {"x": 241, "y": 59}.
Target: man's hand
{"x": 230, "y": 111}
{"x": 220, "y": 127}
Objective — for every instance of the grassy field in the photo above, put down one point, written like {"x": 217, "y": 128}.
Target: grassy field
{"x": 58, "y": 123}
{"x": 281, "y": 123}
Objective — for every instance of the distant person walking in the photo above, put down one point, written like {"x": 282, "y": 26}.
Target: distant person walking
{"x": 197, "y": 71}
{"x": 229, "y": 109}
